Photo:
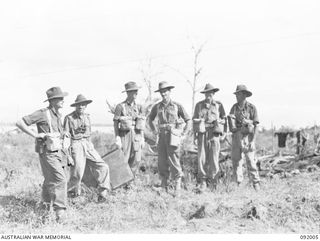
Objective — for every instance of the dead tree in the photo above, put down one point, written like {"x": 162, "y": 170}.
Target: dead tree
{"x": 193, "y": 81}
{"x": 148, "y": 75}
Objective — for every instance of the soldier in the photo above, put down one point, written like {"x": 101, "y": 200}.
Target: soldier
{"x": 243, "y": 121}
{"x": 129, "y": 125}
{"x": 77, "y": 124}
{"x": 211, "y": 115}
{"x": 48, "y": 145}
{"x": 170, "y": 133}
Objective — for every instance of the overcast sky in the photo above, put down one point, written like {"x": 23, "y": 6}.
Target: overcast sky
{"x": 95, "y": 47}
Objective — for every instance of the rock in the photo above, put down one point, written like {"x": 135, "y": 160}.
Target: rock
{"x": 257, "y": 211}
{"x": 312, "y": 168}
{"x": 270, "y": 175}
{"x": 295, "y": 172}
{"x": 200, "y": 213}
{"x": 287, "y": 174}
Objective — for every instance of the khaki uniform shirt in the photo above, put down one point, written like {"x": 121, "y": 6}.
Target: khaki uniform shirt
{"x": 168, "y": 114}
{"x": 125, "y": 109}
{"x": 39, "y": 118}
{"x": 209, "y": 111}
{"x": 248, "y": 112}
{"x": 79, "y": 126}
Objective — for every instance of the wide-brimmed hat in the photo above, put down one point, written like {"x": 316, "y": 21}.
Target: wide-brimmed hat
{"x": 55, "y": 92}
{"x": 243, "y": 88}
{"x": 131, "y": 86}
{"x": 164, "y": 85}
{"x": 209, "y": 88}
{"x": 81, "y": 100}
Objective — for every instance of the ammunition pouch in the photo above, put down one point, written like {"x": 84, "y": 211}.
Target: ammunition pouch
{"x": 140, "y": 123}
{"x": 126, "y": 123}
{"x": 175, "y": 137}
{"x": 247, "y": 129}
{"x": 199, "y": 125}
{"x": 217, "y": 128}
{"x": 232, "y": 123}
{"x": 53, "y": 141}
{"x": 39, "y": 145}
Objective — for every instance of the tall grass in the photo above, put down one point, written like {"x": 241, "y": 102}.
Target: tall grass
{"x": 284, "y": 205}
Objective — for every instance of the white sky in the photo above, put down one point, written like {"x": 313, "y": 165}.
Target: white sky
{"x": 95, "y": 47}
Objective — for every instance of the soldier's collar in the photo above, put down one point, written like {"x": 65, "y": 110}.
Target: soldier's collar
{"x": 208, "y": 103}
{"x": 166, "y": 104}
{"x": 245, "y": 103}
{"x": 54, "y": 111}
{"x": 76, "y": 114}
{"x": 131, "y": 104}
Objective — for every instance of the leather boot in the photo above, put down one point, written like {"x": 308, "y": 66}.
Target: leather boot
{"x": 60, "y": 215}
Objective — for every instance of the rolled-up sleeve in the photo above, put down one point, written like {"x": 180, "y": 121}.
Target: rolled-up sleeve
{"x": 66, "y": 125}
{"x": 196, "y": 111}
{"x": 33, "y": 118}
{"x": 117, "y": 112}
{"x": 232, "y": 111}
{"x": 254, "y": 114}
{"x": 153, "y": 112}
{"x": 182, "y": 113}
{"x": 222, "y": 113}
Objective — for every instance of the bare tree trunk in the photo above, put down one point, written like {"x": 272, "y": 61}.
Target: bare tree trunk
{"x": 148, "y": 76}
{"x": 196, "y": 73}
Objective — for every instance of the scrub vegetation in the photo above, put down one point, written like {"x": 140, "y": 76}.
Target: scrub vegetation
{"x": 285, "y": 203}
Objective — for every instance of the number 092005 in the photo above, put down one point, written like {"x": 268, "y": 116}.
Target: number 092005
{"x": 309, "y": 237}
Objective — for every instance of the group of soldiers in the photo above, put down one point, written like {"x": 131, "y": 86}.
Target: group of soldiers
{"x": 68, "y": 143}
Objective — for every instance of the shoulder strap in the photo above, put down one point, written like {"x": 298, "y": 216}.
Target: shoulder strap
{"x": 124, "y": 108}
{"x": 158, "y": 112}
{"x": 49, "y": 120}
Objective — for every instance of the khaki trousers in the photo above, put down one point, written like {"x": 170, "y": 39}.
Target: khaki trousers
{"x": 131, "y": 146}
{"x": 83, "y": 153}
{"x": 168, "y": 158}
{"x": 208, "y": 156}
{"x": 54, "y": 188}
{"x": 239, "y": 147}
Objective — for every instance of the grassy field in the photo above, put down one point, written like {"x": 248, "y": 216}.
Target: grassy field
{"x": 283, "y": 205}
